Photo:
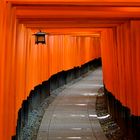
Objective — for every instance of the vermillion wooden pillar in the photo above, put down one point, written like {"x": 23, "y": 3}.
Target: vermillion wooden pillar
{"x": 120, "y": 56}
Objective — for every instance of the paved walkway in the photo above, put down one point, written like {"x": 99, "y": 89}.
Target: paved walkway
{"x": 72, "y": 115}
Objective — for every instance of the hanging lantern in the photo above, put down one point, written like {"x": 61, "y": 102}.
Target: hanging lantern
{"x": 40, "y": 38}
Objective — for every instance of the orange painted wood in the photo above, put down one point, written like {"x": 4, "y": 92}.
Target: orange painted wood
{"x": 25, "y": 65}
{"x": 120, "y": 56}
{"x": 1, "y": 68}
{"x": 57, "y": 12}
{"x": 81, "y": 2}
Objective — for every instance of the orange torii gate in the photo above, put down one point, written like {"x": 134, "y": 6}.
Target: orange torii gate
{"x": 24, "y": 65}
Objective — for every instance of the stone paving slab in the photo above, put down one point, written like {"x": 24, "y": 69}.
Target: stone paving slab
{"x": 72, "y": 115}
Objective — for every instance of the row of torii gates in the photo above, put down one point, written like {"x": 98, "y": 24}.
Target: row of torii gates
{"x": 78, "y": 31}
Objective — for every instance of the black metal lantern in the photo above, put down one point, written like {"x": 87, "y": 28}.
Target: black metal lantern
{"x": 40, "y": 38}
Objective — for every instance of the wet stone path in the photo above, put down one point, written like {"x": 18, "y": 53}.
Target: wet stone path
{"x": 72, "y": 115}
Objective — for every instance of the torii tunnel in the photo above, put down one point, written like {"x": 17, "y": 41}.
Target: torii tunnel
{"x": 79, "y": 32}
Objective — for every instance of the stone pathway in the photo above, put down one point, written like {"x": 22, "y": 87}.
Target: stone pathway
{"x": 72, "y": 115}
